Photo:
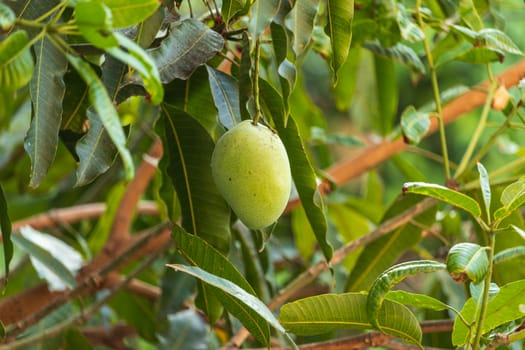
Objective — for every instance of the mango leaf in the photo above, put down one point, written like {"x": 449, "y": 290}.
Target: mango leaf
{"x": 137, "y": 311}
{"x": 54, "y": 260}
{"x": 186, "y": 330}
{"x": 302, "y": 170}
{"x": 262, "y": 13}
{"x": 444, "y": 194}
{"x": 377, "y": 256}
{"x": 502, "y": 308}
{"x": 47, "y": 92}
{"x": 467, "y": 262}
{"x": 325, "y": 313}
{"x": 243, "y": 305}
{"x": 498, "y": 41}
{"x": 189, "y": 45}
{"x": 128, "y": 12}
{"x": 344, "y": 89}
{"x": 138, "y": 59}
{"x": 510, "y": 253}
{"x": 414, "y": 124}
{"x": 339, "y": 28}
{"x": 189, "y": 148}
{"x": 480, "y": 55}
{"x": 226, "y": 96}
{"x": 230, "y": 8}
{"x": 149, "y": 28}
{"x": 5, "y": 226}
{"x": 512, "y": 197}
{"x": 245, "y": 81}
{"x": 391, "y": 277}
{"x": 287, "y": 71}
{"x": 469, "y": 14}
{"x": 300, "y": 22}
{"x": 398, "y": 53}
{"x": 94, "y": 21}
{"x": 387, "y": 94}
{"x": 105, "y": 109}
{"x": 7, "y": 17}
{"x": 409, "y": 30}
{"x": 485, "y": 187}
{"x": 417, "y": 300}
{"x": 16, "y": 63}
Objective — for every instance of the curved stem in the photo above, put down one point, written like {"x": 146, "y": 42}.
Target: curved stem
{"x": 435, "y": 90}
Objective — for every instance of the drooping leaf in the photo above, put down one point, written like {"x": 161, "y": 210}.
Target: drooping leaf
{"x": 105, "y": 109}
{"x": 399, "y": 53}
{"x": 5, "y": 226}
{"x": 339, "y": 28}
{"x": 7, "y": 17}
{"x": 226, "y": 96}
{"x": 47, "y": 91}
{"x": 502, "y": 308}
{"x": 189, "y": 148}
{"x": 414, "y": 124}
{"x": 300, "y": 22}
{"x": 444, "y": 194}
{"x": 325, "y": 313}
{"x": 230, "y": 8}
{"x": 417, "y": 300}
{"x": 485, "y": 187}
{"x": 302, "y": 171}
{"x": 512, "y": 197}
{"x": 510, "y": 253}
{"x": 94, "y": 21}
{"x": 16, "y": 63}
{"x": 53, "y": 259}
{"x": 286, "y": 70}
{"x": 467, "y": 262}
{"x": 391, "y": 277}
{"x": 245, "y": 81}
{"x": 128, "y": 12}
{"x": 189, "y": 45}
{"x": 243, "y": 305}
{"x": 261, "y": 15}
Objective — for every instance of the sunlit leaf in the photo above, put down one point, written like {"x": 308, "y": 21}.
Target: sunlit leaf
{"x": 94, "y": 21}
{"x": 226, "y": 96}
{"x": 502, "y": 308}
{"x": 414, "y": 124}
{"x": 300, "y": 22}
{"x": 47, "y": 91}
{"x": 189, "y": 45}
{"x": 105, "y": 110}
{"x": 261, "y": 14}
{"x": 7, "y": 17}
{"x": 496, "y": 39}
{"x": 325, "y": 313}
{"x": 409, "y": 30}
{"x": 128, "y": 12}
{"x": 16, "y": 63}
{"x": 339, "y": 28}
{"x": 444, "y": 194}
{"x": 417, "y": 300}
{"x": 510, "y": 253}
{"x": 399, "y": 53}
{"x": 5, "y": 226}
{"x": 467, "y": 262}
{"x": 512, "y": 198}
{"x": 391, "y": 277}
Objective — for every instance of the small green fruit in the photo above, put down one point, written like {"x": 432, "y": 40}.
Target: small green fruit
{"x": 251, "y": 170}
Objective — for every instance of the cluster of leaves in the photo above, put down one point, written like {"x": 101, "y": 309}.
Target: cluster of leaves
{"x": 84, "y": 81}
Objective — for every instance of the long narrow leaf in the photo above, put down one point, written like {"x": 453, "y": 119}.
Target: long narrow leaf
{"x": 485, "y": 187}
{"x": 5, "y": 225}
{"x": 339, "y": 28}
{"x": 225, "y": 96}
{"x": 444, "y": 194}
{"x": 512, "y": 198}
{"x": 105, "y": 110}
{"x": 262, "y": 13}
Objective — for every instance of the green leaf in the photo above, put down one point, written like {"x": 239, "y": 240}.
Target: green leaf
{"x": 300, "y": 22}
{"x": 148, "y": 30}
{"x": 345, "y": 88}
{"x": 387, "y": 93}
{"x": 189, "y": 148}
{"x": 502, "y": 308}
{"x": 409, "y": 30}
{"x": 467, "y": 262}
{"x": 226, "y": 96}
{"x": 510, "y": 253}
{"x": 128, "y": 12}
{"x": 329, "y": 312}
{"x": 417, "y": 300}
{"x": 243, "y": 305}
{"x": 512, "y": 198}
{"x": 186, "y": 330}
{"x": 46, "y": 257}
{"x": 398, "y": 53}
{"x": 262, "y": 13}
{"x": 391, "y": 277}
{"x": 414, "y": 124}
{"x": 137, "y": 311}
{"x": 47, "y": 92}
{"x": 189, "y": 45}
{"x": 137, "y": 58}
{"x": 245, "y": 81}
{"x": 105, "y": 109}
{"x": 339, "y": 29}
{"x": 302, "y": 170}
{"x": 304, "y": 236}
{"x": 287, "y": 70}
{"x": 74, "y": 339}
{"x": 16, "y": 63}
{"x": 469, "y": 14}
{"x": 444, "y": 194}
{"x": 94, "y": 21}
{"x": 5, "y": 226}
{"x": 7, "y": 17}
{"x": 498, "y": 41}
{"x": 230, "y": 8}
{"x": 485, "y": 187}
